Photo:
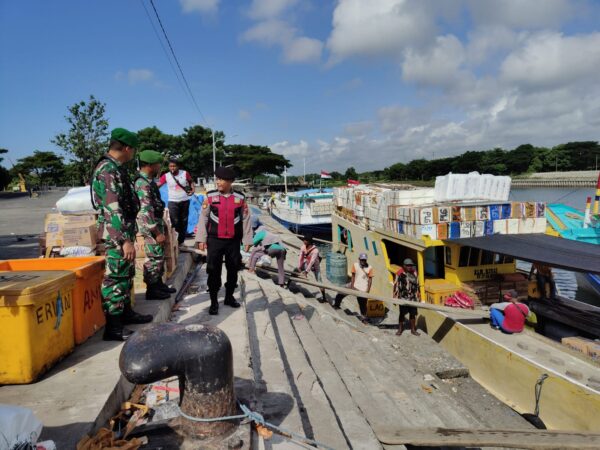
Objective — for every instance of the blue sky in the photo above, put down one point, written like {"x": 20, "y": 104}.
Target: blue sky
{"x": 339, "y": 83}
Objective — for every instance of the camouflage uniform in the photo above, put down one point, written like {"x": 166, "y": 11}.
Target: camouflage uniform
{"x": 150, "y": 224}
{"x": 117, "y": 206}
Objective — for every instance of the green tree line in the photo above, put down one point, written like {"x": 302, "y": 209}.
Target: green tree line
{"x": 87, "y": 138}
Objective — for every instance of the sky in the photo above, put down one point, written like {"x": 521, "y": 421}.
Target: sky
{"x": 332, "y": 84}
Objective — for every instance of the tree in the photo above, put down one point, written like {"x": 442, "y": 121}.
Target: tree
{"x": 351, "y": 173}
{"x": 87, "y": 138}
{"x": 254, "y": 160}
{"x": 395, "y": 172}
{"x": 4, "y": 174}
{"x": 41, "y": 167}
{"x": 151, "y": 138}
{"x": 195, "y": 150}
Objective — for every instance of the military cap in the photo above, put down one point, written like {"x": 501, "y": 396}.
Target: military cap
{"x": 151, "y": 157}
{"x": 225, "y": 173}
{"x": 125, "y": 136}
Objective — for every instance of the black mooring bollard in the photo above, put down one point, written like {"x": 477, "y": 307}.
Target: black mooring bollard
{"x": 200, "y": 355}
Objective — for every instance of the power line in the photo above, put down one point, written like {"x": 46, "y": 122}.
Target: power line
{"x": 187, "y": 85}
{"x": 181, "y": 85}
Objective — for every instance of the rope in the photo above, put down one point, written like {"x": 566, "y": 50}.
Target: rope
{"x": 259, "y": 419}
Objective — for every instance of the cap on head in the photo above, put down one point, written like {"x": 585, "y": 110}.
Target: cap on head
{"x": 225, "y": 173}
{"x": 511, "y": 293}
{"x": 150, "y": 157}
{"x": 408, "y": 262}
{"x": 127, "y": 137}
{"x": 363, "y": 256}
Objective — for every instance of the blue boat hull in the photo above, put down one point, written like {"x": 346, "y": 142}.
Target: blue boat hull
{"x": 320, "y": 230}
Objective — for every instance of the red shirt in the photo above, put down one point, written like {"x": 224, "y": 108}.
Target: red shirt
{"x": 514, "y": 317}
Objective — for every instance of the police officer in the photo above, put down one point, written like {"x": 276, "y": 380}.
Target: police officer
{"x": 224, "y": 224}
{"x": 117, "y": 204}
{"x": 151, "y": 225}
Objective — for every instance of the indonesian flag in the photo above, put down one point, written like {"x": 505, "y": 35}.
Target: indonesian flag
{"x": 353, "y": 182}
{"x": 325, "y": 174}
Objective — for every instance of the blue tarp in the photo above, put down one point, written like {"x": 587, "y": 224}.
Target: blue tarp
{"x": 195, "y": 207}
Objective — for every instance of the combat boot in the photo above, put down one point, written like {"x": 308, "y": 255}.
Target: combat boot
{"x": 154, "y": 292}
{"x": 131, "y": 317}
{"x": 214, "y": 304}
{"x": 113, "y": 330}
{"x": 230, "y": 299}
{"x": 163, "y": 287}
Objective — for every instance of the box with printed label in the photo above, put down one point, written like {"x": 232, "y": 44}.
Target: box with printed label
{"x": 427, "y": 230}
{"x": 512, "y": 226}
{"x": 483, "y": 212}
{"x": 456, "y": 214}
{"x": 444, "y": 214}
{"x": 468, "y": 213}
{"x": 466, "y": 229}
{"x": 80, "y": 236}
{"x": 479, "y": 228}
{"x": 442, "y": 231}
{"x": 495, "y": 212}
{"x": 454, "y": 230}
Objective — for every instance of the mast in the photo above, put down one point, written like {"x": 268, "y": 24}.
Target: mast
{"x": 285, "y": 178}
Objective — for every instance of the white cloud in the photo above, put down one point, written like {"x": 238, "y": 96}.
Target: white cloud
{"x": 550, "y": 60}
{"x": 375, "y": 28}
{"x": 244, "y": 114}
{"x": 358, "y": 129}
{"x": 290, "y": 150}
{"x": 270, "y": 32}
{"x": 296, "y": 49}
{"x": 438, "y": 65}
{"x": 520, "y": 13}
{"x": 201, "y": 6}
{"x": 303, "y": 49}
{"x": 265, "y": 9}
{"x": 135, "y": 76}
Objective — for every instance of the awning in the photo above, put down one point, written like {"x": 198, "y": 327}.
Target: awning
{"x": 553, "y": 251}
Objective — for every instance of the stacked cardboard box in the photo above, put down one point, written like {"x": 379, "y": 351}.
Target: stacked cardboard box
{"x": 583, "y": 345}
{"x": 68, "y": 231}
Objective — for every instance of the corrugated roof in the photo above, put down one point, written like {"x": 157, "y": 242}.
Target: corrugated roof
{"x": 553, "y": 251}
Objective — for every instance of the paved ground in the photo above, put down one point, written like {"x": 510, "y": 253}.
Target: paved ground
{"x": 22, "y": 221}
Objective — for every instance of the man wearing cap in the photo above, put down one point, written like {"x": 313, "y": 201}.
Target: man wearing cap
{"x": 181, "y": 188}
{"x": 223, "y": 226}
{"x": 406, "y": 287}
{"x": 151, "y": 225}
{"x": 114, "y": 198}
{"x": 509, "y": 315}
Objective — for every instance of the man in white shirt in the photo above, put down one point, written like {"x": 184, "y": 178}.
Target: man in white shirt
{"x": 181, "y": 188}
{"x": 362, "y": 280}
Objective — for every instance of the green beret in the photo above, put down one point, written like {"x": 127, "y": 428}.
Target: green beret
{"x": 125, "y": 136}
{"x": 151, "y": 157}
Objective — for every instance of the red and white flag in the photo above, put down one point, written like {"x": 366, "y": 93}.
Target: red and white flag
{"x": 353, "y": 182}
{"x": 325, "y": 174}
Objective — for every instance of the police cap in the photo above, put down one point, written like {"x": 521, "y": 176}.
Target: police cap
{"x": 225, "y": 173}
{"x": 151, "y": 157}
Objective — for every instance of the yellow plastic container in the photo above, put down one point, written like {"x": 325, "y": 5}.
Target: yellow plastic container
{"x": 36, "y": 322}
{"x": 438, "y": 290}
{"x": 88, "y": 316}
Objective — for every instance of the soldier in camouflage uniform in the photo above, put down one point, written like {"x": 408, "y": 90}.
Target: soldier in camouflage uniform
{"x": 117, "y": 204}
{"x": 151, "y": 225}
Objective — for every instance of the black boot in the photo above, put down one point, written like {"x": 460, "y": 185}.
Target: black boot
{"x": 163, "y": 287}
{"x": 230, "y": 299}
{"x": 113, "y": 330}
{"x": 214, "y": 304}
{"x": 131, "y": 317}
{"x": 154, "y": 292}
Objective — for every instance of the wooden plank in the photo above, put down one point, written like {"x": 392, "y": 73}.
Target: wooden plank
{"x": 527, "y": 439}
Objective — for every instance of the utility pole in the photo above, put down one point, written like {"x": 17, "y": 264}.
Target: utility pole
{"x": 214, "y": 156}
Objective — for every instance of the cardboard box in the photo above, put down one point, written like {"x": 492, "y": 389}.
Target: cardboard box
{"x": 526, "y": 226}
{"x": 442, "y": 231}
{"x": 427, "y": 230}
{"x": 479, "y": 229}
{"x": 539, "y": 225}
{"x": 81, "y": 236}
{"x": 500, "y": 226}
{"x": 466, "y": 229}
{"x": 512, "y": 226}
{"x": 495, "y": 212}
{"x": 54, "y": 239}
{"x": 53, "y": 222}
{"x": 444, "y": 214}
{"x": 139, "y": 246}
{"x": 488, "y": 228}
{"x": 468, "y": 213}
{"x": 454, "y": 230}
{"x": 583, "y": 345}
{"x": 456, "y": 214}
{"x": 482, "y": 212}
{"x": 505, "y": 211}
